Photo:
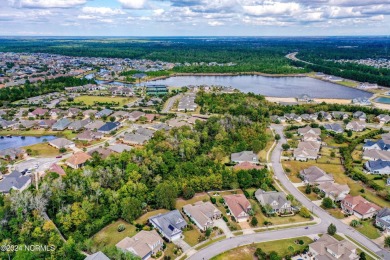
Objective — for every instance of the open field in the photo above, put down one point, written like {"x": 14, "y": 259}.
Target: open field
{"x": 110, "y": 235}
{"x": 43, "y": 149}
{"x": 90, "y": 100}
{"x": 280, "y": 246}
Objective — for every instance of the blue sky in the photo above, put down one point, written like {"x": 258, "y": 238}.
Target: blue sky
{"x": 194, "y": 17}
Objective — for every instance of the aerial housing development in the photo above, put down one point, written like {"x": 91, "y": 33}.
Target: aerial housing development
{"x": 204, "y": 145}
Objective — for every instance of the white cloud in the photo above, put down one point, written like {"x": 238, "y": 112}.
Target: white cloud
{"x": 46, "y": 3}
{"x": 158, "y": 12}
{"x": 133, "y": 4}
{"x": 215, "y": 23}
{"x": 101, "y": 10}
{"x": 272, "y": 8}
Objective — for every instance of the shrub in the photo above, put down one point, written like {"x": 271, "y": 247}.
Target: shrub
{"x": 213, "y": 200}
{"x": 225, "y": 219}
{"x": 221, "y": 200}
{"x": 327, "y": 203}
{"x": 254, "y": 222}
{"x": 121, "y": 227}
{"x": 304, "y": 212}
{"x": 332, "y": 229}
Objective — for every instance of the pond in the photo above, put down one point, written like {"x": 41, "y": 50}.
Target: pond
{"x": 384, "y": 100}
{"x": 270, "y": 86}
{"x": 20, "y": 141}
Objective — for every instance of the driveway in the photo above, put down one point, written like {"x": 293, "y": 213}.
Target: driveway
{"x": 181, "y": 243}
{"x": 222, "y": 225}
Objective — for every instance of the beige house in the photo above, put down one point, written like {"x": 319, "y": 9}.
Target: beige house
{"x": 327, "y": 247}
{"x": 144, "y": 244}
{"x": 78, "y": 160}
{"x": 334, "y": 191}
{"x": 203, "y": 214}
{"x": 239, "y": 206}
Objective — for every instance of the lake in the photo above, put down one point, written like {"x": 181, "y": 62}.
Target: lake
{"x": 18, "y": 141}
{"x": 384, "y": 100}
{"x": 270, "y": 86}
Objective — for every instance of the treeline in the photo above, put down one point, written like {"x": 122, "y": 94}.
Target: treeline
{"x": 11, "y": 94}
{"x": 255, "y": 107}
{"x": 159, "y": 73}
{"x": 349, "y": 71}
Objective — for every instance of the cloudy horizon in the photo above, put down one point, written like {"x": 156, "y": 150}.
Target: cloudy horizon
{"x": 194, "y": 17}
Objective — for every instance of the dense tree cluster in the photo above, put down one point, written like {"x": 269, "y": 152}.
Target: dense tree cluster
{"x": 27, "y": 90}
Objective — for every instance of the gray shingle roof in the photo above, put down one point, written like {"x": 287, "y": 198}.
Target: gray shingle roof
{"x": 170, "y": 223}
{"x": 13, "y": 180}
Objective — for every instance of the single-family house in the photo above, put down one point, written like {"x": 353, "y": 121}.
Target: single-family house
{"x": 88, "y": 113}
{"x": 46, "y": 123}
{"x": 340, "y": 115}
{"x": 78, "y": 160}
{"x": 119, "y": 148}
{"x": 203, "y": 214}
{"x": 335, "y": 127}
{"x": 61, "y": 143}
{"x": 315, "y": 175}
{"x": 356, "y": 126}
{"x": 383, "y": 118}
{"x": 135, "y": 139}
{"x": 247, "y": 166}
{"x": 73, "y": 111}
{"x": 135, "y": 115}
{"x": 56, "y": 169}
{"x": 14, "y": 181}
{"x": 382, "y": 220}
{"x": 97, "y": 256}
{"x": 383, "y": 144}
{"x": 244, "y": 156}
{"x": 309, "y": 130}
{"x": 38, "y": 112}
{"x": 276, "y": 200}
{"x": 79, "y": 124}
{"x": 378, "y": 167}
{"x": 293, "y": 117}
{"x": 89, "y": 136}
{"x": 333, "y": 190}
{"x": 105, "y": 112}
{"x": 239, "y": 206}
{"x": 310, "y": 137}
{"x": 103, "y": 152}
{"x": 359, "y": 206}
{"x": 360, "y": 115}
{"x": 94, "y": 125}
{"x": 374, "y": 155}
{"x": 169, "y": 224}
{"x": 329, "y": 248}
{"x": 12, "y": 153}
{"x": 61, "y": 124}
{"x": 144, "y": 244}
{"x": 325, "y": 115}
{"x": 307, "y": 150}
{"x": 108, "y": 127}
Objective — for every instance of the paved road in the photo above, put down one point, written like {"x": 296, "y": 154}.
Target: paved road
{"x": 170, "y": 102}
{"x": 227, "y": 244}
{"x": 292, "y": 56}
{"x": 325, "y": 217}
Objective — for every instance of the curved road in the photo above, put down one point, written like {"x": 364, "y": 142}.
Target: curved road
{"x": 227, "y": 244}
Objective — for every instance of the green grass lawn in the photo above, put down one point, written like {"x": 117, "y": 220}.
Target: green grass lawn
{"x": 109, "y": 235}
{"x": 263, "y": 153}
{"x": 328, "y": 160}
{"x": 312, "y": 196}
{"x": 198, "y": 197}
{"x": 280, "y": 246}
{"x": 336, "y": 213}
{"x": 144, "y": 218}
{"x": 191, "y": 236}
{"x": 90, "y": 100}
{"x": 367, "y": 228}
{"x": 43, "y": 150}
